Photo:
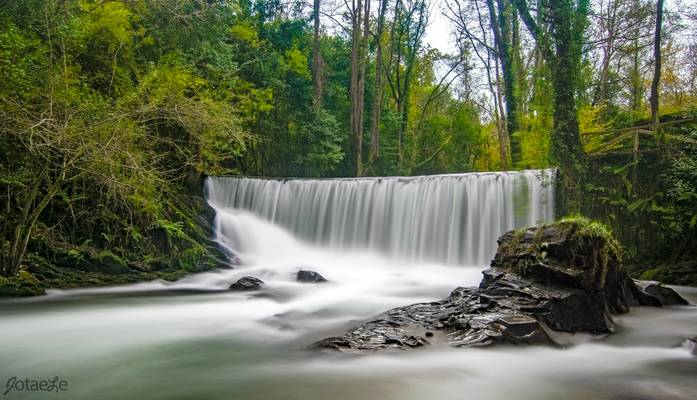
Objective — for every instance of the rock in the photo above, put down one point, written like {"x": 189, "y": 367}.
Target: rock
{"x": 691, "y": 345}
{"x": 310, "y": 277}
{"x": 652, "y": 293}
{"x": 566, "y": 309}
{"x": 564, "y": 277}
{"x": 23, "y": 284}
{"x": 574, "y": 254}
{"x": 461, "y": 320}
{"x": 247, "y": 283}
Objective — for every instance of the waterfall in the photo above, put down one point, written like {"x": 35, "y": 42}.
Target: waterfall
{"x": 453, "y": 219}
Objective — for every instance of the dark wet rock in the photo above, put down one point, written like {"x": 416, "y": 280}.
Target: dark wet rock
{"x": 310, "y": 277}
{"x": 565, "y": 309}
{"x": 570, "y": 255}
{"x": 247, "y": 283}
{"x": 461, "y": 320}
{"x": 691, "y": 345}
{"x": 568, "y": 275}
{"x": 652, "y": 293}
{"x": 564, "y": 277}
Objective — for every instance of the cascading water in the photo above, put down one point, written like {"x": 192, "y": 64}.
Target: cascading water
{"x": 452, "y": 219}
{"x": 381, "y": 243}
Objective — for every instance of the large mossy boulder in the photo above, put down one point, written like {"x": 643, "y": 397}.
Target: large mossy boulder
{"x": 576, "y": 255}
{"x": 565, "y": 277}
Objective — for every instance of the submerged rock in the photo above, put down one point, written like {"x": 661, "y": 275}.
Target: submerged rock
{"x": 310, "y": 277}
{"x": 247, "y": 283}
{"x": 564, "y": 277}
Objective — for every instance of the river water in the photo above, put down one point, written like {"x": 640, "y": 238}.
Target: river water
{"x": 193, "y": 339}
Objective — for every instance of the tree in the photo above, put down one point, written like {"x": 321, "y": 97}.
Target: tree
{"x": 376, "y": 112}
{"x": 653, "y": 100}
{"x": 474, "y": 33}
{"x": 503, "y": 23}
{"x": 360, "y": 23}
{"x": 406, "y": 34}
{"x": 559, "y": 36}
{"x": 85, "y": 128}
{"x": 316, "y": 55}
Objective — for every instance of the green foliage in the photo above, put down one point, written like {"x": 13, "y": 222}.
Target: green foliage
{"x": 594, "y": 234}
{"x": 23, "y": 284}
{"x": 536, "y": 125}
{"x": 190, "y": 259}
{"x": 105, "y": 107}
{"x": 111, "y": 109}
{"x": 651, "y": 203}
{"x": 172, "y": 229}
{"x": 682, "y": 190}
{"x": 587, "y": 228}
{"x": 324, "y": 139}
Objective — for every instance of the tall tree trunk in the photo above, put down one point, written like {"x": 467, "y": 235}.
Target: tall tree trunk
{"x": 521, "y": 70}
{"x": 361, "y": 83}
{"x": 609, "y": 25}
{"x": 316, "y": 58}
{"x": 27, "y": 221}
{"x": 405, "y": 41}
{"x": 500, "y": 112}
{"x": 653, "y": 100}
{"x": 501, "y": 26}
{"x": 359, "y": 47}
{"x": 12, "y": 263}
{"x": 356, "y": 100}
{"x": 377, "y": 99}
{"x": 637, "y": 89}
{"x": 560, "y": 43}
{"x": 567, "y": 150}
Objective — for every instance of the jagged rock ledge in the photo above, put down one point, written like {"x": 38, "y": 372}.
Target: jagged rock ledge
{"x": 565, "y": 277}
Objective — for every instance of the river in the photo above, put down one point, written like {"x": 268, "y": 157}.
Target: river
{"x": 194, "y": 339}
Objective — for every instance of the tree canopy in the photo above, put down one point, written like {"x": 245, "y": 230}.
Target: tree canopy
{"x": 114, "y": 105}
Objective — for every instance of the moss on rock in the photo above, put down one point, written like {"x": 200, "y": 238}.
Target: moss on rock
{"x": 22, "y": 285}
{"x": 586, "y": 232}
{"x": 574, "y": 251}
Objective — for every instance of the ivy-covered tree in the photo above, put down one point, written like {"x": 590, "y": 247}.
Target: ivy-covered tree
{"x": 558, "y": 30}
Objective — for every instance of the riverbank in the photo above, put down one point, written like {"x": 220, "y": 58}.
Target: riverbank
{"x": 169, "y": 250}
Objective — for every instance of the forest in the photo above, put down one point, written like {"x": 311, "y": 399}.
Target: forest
{"x": 113, "y": 111}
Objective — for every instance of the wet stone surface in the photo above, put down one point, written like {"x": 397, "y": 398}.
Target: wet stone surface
{"x": 547, "y": 278}
{"x": 247, "y": 283}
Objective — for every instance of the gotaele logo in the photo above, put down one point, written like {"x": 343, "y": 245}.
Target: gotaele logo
{"x": 55, "y": 385}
